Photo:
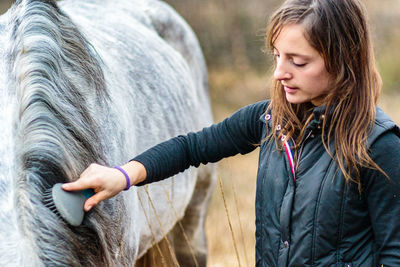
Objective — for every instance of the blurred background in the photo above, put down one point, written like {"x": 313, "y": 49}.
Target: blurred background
{"x": 231, "y": 33}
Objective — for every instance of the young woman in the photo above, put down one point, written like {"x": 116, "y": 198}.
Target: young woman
{"x": 328, "y": 185}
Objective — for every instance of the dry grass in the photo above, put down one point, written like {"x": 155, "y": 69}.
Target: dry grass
{"x": 239, "y": 182}
{"x": 231, "y": 90}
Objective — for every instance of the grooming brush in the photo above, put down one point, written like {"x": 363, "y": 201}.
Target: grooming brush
{"x": 67, "y": 205}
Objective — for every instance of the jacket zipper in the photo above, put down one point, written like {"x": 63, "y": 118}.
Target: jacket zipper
{"x": 301, "y": 149}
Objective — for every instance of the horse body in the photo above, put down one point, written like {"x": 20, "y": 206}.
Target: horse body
{"x": 96, "y": 81}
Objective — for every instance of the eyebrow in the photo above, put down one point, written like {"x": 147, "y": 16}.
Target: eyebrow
{"x": 296, "y": 55}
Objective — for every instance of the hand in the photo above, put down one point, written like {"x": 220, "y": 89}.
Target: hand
{"x": 106, "y": 181}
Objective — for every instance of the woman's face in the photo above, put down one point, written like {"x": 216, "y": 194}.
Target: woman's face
{"x": 299, "y": 67}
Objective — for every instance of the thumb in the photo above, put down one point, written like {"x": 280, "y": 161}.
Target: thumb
{"x": 94, "y": 200}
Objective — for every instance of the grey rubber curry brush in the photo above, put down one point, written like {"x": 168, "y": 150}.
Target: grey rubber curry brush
{"x": 68, "y": 205}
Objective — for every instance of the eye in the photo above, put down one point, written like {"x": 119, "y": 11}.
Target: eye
{"x": 299, "y": 65}
{"x": 275, "y": 53}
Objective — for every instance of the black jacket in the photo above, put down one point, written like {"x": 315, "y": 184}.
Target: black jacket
{"x": 317, "y": 220}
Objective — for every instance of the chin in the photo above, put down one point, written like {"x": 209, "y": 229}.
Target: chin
{"x": 296, "y": 100}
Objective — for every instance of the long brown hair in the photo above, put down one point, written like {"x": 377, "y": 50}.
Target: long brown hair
{"x": 338, "y": 30}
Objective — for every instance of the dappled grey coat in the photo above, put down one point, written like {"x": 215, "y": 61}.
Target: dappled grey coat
{"x": 317, "y": 220}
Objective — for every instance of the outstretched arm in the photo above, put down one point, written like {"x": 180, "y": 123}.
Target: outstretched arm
{"x": 239, "y": 133}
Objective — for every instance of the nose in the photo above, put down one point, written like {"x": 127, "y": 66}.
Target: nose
{"x": 281, "y": 71}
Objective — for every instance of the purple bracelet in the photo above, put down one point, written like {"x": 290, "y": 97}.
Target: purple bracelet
{"x": 128, "y": 181}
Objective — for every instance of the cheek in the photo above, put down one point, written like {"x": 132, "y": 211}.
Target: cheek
{"x": 318, "y": 81}
{"x": 325, "y": 81}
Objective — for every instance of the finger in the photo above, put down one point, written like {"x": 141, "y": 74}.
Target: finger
{"x": 94, "y": 200}
{"x": 82, "y": 182}
{"x": 79, "y": 184}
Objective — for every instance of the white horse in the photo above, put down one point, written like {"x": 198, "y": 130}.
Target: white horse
{"x": 98, "y": 81}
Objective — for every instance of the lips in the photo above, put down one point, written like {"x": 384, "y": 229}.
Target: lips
{"x": 289, "y": 89}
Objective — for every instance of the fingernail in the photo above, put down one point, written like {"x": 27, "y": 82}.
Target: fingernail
{"x": 89, "y": 208}
{"x": 65, "y": 186}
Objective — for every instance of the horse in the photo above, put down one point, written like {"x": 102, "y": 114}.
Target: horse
{"x": 99, "y": 81}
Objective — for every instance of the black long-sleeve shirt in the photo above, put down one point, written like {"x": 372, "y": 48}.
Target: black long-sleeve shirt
{"x": 240, "y": 133}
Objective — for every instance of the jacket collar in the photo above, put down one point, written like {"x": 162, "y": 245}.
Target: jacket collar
{"x": 319, "y": 116}
{"x": 382, "y": 121}
{"x": 319, "y": 113}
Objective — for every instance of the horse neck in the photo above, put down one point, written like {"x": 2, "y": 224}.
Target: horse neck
{"x": 59, "y": 85}
{"x": 55, "y": 88}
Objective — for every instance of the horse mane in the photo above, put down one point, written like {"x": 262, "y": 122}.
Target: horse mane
{"x": 59, "y": 85}
{"x": 58, "y": 75}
